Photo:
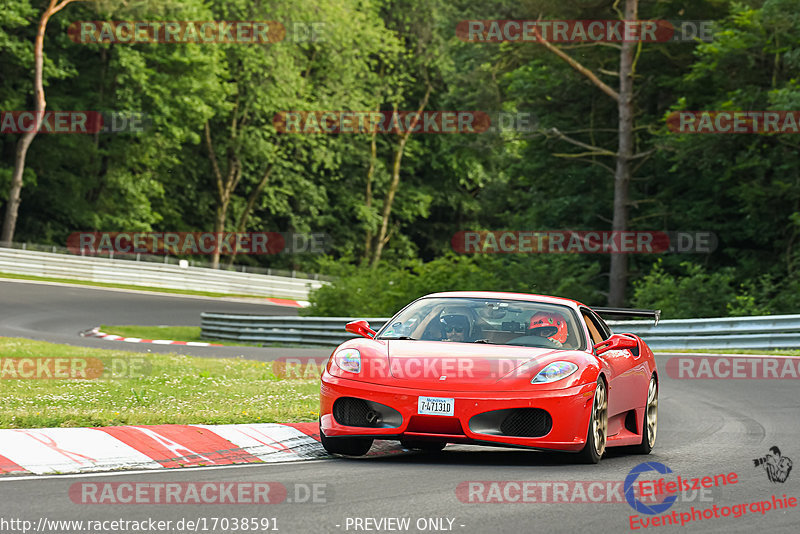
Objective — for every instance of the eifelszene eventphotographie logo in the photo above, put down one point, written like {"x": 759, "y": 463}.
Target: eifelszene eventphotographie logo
{"x": 777, "y": 467}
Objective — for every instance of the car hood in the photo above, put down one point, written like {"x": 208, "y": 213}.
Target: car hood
{"x": 451, "y": 366}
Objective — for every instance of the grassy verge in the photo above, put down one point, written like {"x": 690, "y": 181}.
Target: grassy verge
{"x": 175, "y": 333}
{"x": 144, "y": 389}
{"x": 773, "y": 352}
{"x": 128, "y": 286}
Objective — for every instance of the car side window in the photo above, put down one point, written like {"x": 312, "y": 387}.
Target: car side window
{"x": 596, "y": 330}
{"x": 605, "y": 330}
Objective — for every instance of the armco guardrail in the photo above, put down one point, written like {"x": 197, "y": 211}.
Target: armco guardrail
{"x": 759, "y": 332}
{"x": 274, "y": 329}
{"x": 765, "y": 332}
{"x": 170, "y": 276}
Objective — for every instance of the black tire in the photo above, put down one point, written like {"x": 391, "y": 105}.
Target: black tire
{"x": 598, "y": 426}
{"x": 427, "y": 446}
{"x": 345, "y": 446}
{"x": 650, "y": 423}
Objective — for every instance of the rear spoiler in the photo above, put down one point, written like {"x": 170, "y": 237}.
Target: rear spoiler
{"x": 628, "y": 312}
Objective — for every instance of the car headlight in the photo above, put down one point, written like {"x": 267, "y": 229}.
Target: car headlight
{"x": 554, "y": 371}
{"x": 348, "y": 360}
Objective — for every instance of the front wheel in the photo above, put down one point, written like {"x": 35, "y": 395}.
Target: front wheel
{"x": 346, "y": 446}
{"x": 598, "y": 426}
{"x": 650, "y": 425}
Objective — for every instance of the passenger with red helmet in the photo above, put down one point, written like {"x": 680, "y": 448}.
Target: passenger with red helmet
{"x": 549, "y": 325}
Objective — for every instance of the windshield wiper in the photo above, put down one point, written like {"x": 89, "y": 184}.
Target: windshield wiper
{"x": 482, "y": 341}
{"x": 399, "y": 337}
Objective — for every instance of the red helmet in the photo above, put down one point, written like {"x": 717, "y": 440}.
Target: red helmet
{"x": 554, "y": 322}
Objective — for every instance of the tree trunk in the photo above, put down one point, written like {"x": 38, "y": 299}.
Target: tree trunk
{"x": 618, "y": 275}
{"x": 368, "y": 194}
{"x": 12, "y": 207}
{"x": 622, "y": 177}
{"x": 15, "y": 192}
{"x": 248, "y": 209}
{"x": 382, "y": 239}
{"x": 225, "y": 187}
{"x": 219, "y": 230}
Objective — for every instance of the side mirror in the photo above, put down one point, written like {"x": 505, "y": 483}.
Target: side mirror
{"x": 360, "y": 328}
{"x": 616, "y": 342}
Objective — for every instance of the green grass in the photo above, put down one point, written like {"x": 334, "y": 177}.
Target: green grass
{"x": 773, "y": 352}
{"x": 129, "y": 286}
{"x": 175, "y": 333}
{"x": 148, "y": 389}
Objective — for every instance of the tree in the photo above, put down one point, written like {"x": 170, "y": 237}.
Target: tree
{"x": 335, "y": 72}
{"x": 103, "y": 180}
{"x": 383, "y": 236}
{"x": 15, "y": 192}
{"x": 624, "y": 155}
{"x": 419, "y": 68}
{"x": 745, "y": 188}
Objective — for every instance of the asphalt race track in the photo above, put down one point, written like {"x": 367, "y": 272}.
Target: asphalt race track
{"x": 58, "y": 313}
{"x": 706, "y": 428}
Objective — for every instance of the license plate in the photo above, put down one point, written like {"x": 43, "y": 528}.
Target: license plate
{"x": 435, "y": 406}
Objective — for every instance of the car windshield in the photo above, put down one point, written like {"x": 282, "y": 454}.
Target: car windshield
{"x": 489, "y": 321}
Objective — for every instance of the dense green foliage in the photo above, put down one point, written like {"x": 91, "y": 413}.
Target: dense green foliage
{"x": 382, "y": 291}
{"x": 387, "y": 54}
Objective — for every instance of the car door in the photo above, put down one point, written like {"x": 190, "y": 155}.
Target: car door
{"x": 636, "y": 378}
{"x": 621, "y": 397}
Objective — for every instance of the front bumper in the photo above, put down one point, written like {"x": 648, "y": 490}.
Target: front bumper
{"x": 569, "y": 409}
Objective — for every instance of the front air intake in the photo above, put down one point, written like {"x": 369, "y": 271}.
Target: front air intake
{"x": 350, "y": 411}
{"x": 527, "y": 423}
{"x": 517, "y": 422}
{"x": 353, "y": 412}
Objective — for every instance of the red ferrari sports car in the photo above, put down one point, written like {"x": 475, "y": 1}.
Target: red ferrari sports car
{"x": 489, "y": 368}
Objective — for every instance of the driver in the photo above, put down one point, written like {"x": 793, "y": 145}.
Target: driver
{"x": 455, "y": 328}
{"x": 549, "y": 325}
